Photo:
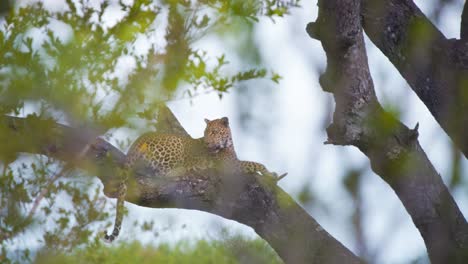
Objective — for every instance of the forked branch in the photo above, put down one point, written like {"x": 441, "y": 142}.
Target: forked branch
{"x": 436, "y": 68}
{"x": 392, "y": 148}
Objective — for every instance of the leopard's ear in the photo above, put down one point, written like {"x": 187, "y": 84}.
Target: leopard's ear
{"x": 207, "y": 121}
{"x": 225, "y": 121}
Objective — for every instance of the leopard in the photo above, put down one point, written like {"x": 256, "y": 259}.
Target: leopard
{"x": 162, "y": 155}
{"x": 218, "y": 140}
{"x": 171, "y": 155}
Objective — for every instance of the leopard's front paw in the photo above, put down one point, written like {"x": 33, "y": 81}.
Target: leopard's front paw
{"x": 176, "y": 172}
{"x": 275, "y": 176}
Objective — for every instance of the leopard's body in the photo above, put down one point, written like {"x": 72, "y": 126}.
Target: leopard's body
{"x": 166, "y": 153}
{"x": 174, "y": 155}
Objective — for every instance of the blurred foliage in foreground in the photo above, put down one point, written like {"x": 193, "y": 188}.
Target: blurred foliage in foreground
{"x": 232, "y": 250}
{"x": 107, "y": 65}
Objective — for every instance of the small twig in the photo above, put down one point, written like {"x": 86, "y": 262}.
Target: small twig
{"x": 44, "y": 191}
{"x": 190, "y": 97}
{"x": 63, "y": 171}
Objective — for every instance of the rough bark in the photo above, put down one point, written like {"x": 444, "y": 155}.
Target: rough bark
{"x": 254, "y": 201}
{"x": 436, "y": 68}
{"x": 464, "y": 24}
{"x": 392, "y": 148}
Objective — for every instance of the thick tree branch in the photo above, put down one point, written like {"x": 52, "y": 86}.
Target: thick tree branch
{"x": 436, "y": 68}
{"x": 254, "y": 201}
{"x": 464, "y": 23}
{"x": 391, "y": 147}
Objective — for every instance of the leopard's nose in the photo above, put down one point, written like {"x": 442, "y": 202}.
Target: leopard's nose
{"x": 212, "y": 146}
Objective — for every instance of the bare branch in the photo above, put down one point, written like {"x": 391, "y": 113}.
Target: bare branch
{"x": 436, "y": 68}
{"x": 391, "y": 147}
{"x": 464, "y": 24}
{"x": 168, "y": 123}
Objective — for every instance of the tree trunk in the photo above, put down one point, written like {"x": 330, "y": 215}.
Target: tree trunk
{"x": 392, "y": 148}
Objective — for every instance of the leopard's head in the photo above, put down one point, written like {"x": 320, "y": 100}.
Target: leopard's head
{"x": 218, "y": 134}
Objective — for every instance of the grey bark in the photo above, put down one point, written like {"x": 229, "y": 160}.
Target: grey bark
{"x": 464, "y": 24}
{"x": 436, "y": 68}
{"x": 393, "y": 149}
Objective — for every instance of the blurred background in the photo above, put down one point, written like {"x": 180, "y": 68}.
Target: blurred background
{"x": 205, "y": 59}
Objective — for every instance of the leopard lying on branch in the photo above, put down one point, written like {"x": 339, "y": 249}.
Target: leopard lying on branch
{"x": 170, "y": 155}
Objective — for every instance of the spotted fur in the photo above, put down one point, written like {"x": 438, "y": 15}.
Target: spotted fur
{"x": 119, "y": 214}
{"x": 171, "y": 155}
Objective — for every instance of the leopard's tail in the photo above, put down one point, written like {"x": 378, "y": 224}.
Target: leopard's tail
{"x": 118, "y": 215}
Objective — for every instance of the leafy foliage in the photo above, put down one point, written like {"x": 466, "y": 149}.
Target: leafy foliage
{"x": 73, "y": 61}
{"x": 231, "y": 250}
{"x": 104, "y": 64}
